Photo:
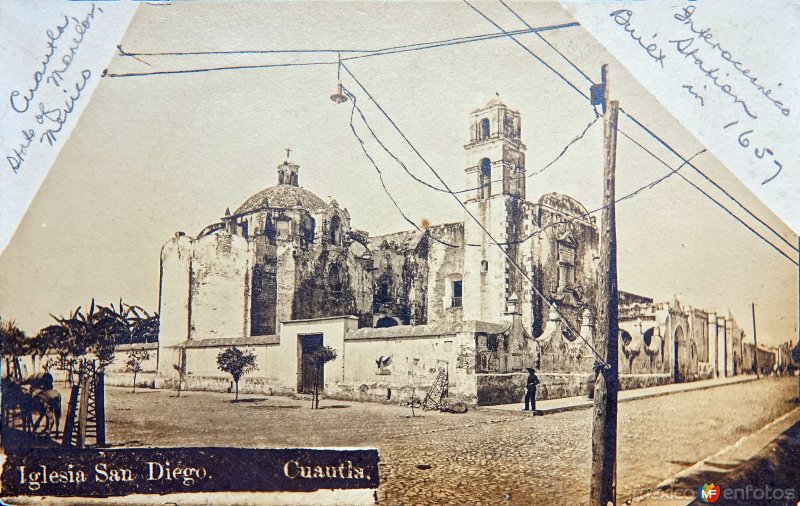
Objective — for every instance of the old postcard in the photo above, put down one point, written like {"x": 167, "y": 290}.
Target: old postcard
{"x": 466, "y": 252}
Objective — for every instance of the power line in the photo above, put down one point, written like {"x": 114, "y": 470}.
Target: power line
{"x": 709, "y": 197}
{"x": 659, "y": 139}
{"x": 440, "y": 44}
{"x": 649, "y": 185}
{"x": 542, "y": 169}
{"x": 381, "y": 52}
{"x": 512, "y": 37}
{"x": 385, "y": 189}
{"x": 460, "y": 40}
{"x": 563, "y": 151}
{"x": 214, "y": 69}
{"x": 436, "y": 188}
{"x": 548, "y": 43}
{"x": 477, "y": 221}
{"x": 388, "y": 151}
{"x": 632, "y": 194}
{"x": 380, "y": 173}
{"x": 709, "y": 179}
{"x": 650, "y": 132}
{"x": 435, "y": 43}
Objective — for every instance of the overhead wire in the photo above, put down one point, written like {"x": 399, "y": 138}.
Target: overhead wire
{"x": 465, "y": 190}
{"x": 380, "y": 52}
{"x": 380, "y": 173}
{"x": 512, "y": 35}
{"x": 709, "y": 197}
{"x": 652, "y": 134}
{"x": 486, "y": 232}
{"x": 420, "y": 46}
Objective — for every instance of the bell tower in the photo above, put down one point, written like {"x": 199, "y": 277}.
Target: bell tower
{"x": 495, "y": 153}
{"x": 495, "y": 157}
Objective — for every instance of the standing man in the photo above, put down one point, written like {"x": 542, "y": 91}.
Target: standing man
{"x": 530, "y": 387}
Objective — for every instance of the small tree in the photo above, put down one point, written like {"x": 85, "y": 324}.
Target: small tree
{"x": 180, "y": 367}
{"x": 319, "y": 358}
{"x": 135, "y": 363}
{"x": 237, "y": 363}
{"x": 12, "y": 344}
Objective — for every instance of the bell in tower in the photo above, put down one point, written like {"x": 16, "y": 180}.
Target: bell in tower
{"x": 495, "y": 153}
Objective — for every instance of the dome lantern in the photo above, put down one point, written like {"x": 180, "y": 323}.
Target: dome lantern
{"x": 288, "y": 171}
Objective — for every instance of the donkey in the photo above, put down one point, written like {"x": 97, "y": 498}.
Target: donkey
{"x": 16, "y": 402}
{"x": 47, "y": 403}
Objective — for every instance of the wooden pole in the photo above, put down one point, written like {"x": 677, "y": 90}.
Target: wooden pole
{"x": 83, "y": 410}
{"x": 755, "y": 342}
{"x": 604, "y": 426}
{"x": 100, "y": 408}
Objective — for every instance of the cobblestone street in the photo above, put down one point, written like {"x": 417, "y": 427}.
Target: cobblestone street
{"x": 483, "y": 457}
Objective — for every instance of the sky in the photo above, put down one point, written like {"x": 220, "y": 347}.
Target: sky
{"x": 153, "y": 155}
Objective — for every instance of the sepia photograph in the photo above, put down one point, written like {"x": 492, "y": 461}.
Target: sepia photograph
{"x": 459, "y": 253}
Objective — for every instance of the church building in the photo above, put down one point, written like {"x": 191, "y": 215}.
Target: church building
{"x": 477, "y": 301}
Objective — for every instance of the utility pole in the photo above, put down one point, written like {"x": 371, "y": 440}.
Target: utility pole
{"x": 604, "y": 420}
{"x": 755, "y": 342}
{"x": 796, "y": 350}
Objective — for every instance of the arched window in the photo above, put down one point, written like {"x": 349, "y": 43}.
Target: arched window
{"x": 335, "y": 280}
{"x": 648, "y": 337}
{"x": 269, "y": 229}
{"x": 454, "y": 291}
{"x": 485, "y": 179}
{"x": 567, "y": 254}
{"x": 385, "y": 322}
{"x": 383, "y": 293}
{"x": 484, "y": 132}
{"x": 283, "y": 227}
{"x": 335, "y": 230}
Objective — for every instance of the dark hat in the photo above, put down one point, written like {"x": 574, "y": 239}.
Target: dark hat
{"x": 531, "y": 369}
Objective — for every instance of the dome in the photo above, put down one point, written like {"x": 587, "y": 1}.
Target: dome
{"x": 282, "y": 196}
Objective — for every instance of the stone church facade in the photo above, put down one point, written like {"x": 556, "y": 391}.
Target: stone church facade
{"x": 286, "y": 273}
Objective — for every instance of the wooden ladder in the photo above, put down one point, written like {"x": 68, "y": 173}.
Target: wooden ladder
{"x": 87, "y": 408}
{"x": 436, "y": 392}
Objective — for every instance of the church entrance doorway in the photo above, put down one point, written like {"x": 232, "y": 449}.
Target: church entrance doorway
{"x": 309, "y": 344}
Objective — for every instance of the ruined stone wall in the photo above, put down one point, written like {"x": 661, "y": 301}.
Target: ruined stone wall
{"x": 767, "y": 359}
{"x": 400, "y": 276}
{"x": 494, "y": 389}
{"x": 413, "y": 364}
{"x": 173, "y": 307}
{"x": 642, "y": 345}
{"x": 519, "y": 250}
{"x": 698, "y": 322}
{"x": 264, "y": 291}
{"x": 564, "y": 226}
{"x": 331, "y": 281}
{"x": 220, "y": 286}
{"x": 444, "y": 263}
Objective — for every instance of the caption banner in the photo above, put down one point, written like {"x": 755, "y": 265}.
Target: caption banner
{"x": 102, "y": 473}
